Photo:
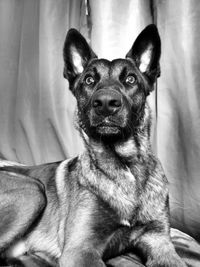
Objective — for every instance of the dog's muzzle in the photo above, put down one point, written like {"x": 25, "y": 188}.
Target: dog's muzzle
{"x": 106, "y": 102}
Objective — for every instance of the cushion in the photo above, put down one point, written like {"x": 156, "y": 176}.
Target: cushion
{"x": 187, "y": 247}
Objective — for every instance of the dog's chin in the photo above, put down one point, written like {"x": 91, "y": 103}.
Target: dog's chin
{"x": 107, "y": 134}
{"x": 108, "y": 130}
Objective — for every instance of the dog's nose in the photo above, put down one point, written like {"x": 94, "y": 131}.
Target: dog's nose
{"x": 106, "y": 102}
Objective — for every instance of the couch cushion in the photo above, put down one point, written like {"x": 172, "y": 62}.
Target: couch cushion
{"x": 186, "y": 247}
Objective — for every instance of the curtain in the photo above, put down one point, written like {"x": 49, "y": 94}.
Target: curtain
{"x": 178, "y": 125}
{"x": 36, "y": 107}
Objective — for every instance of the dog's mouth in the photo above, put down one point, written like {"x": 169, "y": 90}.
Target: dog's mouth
{"x": 106, "y": 129}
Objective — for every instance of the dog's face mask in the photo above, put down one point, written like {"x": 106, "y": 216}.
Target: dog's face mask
{"x": 111, "y": 95}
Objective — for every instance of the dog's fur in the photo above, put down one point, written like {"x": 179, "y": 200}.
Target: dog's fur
{"x": 113, "y": 197}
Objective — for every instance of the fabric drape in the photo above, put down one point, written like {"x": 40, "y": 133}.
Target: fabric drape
{"x": 178, "y": 124}
{"x": 37, "y": 109}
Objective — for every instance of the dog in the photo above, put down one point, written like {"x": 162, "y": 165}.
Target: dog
{"x": 113, "y": 197}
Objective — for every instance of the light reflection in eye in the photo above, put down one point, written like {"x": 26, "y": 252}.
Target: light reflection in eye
{"x": 89, "y": 80}
{"x": 130, "y": 79}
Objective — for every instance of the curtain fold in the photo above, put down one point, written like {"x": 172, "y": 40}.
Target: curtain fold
{"x": 37, "y": 109}
{"x": 178, "y": 125}
{"x": 116, "y": 24}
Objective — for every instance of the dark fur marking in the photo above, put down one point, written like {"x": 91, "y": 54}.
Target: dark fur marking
{"x": 72, "y": 164}
{"x": 123, "y": 74}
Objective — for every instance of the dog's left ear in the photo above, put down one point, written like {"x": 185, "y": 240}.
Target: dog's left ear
{"x": 146, "y": 52}
{"x": 77, "y": 53}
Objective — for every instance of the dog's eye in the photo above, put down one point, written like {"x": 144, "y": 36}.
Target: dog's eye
{"x": 89, "y": 80}
{"x": 130, "y": 79}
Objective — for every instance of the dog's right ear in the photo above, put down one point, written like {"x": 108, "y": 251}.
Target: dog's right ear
{"x": 77, "y": 53}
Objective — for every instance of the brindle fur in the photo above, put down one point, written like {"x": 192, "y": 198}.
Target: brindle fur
{"x": 113, "y": 197}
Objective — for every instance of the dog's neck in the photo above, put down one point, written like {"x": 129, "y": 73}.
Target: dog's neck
{"x": 116, "y": 173}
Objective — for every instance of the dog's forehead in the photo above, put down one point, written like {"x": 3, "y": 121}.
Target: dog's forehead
{"x": 111, "y": 68}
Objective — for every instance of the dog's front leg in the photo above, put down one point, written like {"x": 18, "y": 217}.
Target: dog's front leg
{"x": 81, "y": 257}
{"x": 159, "y": 250}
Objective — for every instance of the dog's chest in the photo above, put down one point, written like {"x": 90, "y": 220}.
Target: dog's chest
{"x": 115, "y": 187}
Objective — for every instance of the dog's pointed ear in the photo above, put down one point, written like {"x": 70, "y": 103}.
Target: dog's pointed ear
{"x": 76, "y": 53}
{"x": 146, "y": 52}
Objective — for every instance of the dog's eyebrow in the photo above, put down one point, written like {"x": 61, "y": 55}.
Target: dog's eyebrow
{"x": 96, "y": 73}
{"x": 95, "y": 70}
{"x": 123, "y": 74}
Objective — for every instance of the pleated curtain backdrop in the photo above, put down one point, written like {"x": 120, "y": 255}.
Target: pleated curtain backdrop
{"x": 178, "y": 125}
{"x": 36, "y": 107}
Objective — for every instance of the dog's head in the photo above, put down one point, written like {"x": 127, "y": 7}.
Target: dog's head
{"x": 111, "y": 95}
